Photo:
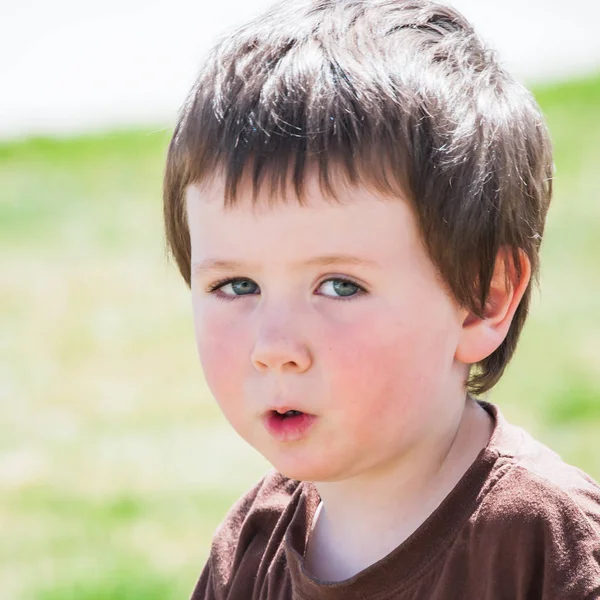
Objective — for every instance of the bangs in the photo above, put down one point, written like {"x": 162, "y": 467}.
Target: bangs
{"x": 272, "y": 122}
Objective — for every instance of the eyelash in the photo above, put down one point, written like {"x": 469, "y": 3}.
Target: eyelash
{"x": 214, "y": 288}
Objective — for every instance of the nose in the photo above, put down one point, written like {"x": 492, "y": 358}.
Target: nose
{"x": 280, "y": 350}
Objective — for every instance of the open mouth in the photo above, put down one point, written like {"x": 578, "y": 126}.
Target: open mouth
{"x": 288, "y": 425}
{"x": 287, "y": 415}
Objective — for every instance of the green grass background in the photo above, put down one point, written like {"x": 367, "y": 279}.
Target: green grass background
{"x": 115, "y": 464}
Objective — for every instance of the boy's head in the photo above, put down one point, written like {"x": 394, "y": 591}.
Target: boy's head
{"x": 382, "y": 130}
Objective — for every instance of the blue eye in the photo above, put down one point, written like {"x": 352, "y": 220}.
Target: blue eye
{"x": 342, "y": 288}
{"x": 235, "y": 287}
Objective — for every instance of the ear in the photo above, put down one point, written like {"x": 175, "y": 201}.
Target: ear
{"x": 481, "y": 336}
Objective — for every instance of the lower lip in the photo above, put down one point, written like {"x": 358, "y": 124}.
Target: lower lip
{"x": 288, "y": 429}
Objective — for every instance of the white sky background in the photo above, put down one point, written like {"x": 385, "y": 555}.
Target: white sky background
{"x": 68, "y": 66}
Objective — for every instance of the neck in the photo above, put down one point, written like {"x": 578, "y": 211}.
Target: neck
{"x": 386, "y": 506}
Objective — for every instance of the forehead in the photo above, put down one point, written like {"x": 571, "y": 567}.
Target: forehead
{"x": 359, "y": 222}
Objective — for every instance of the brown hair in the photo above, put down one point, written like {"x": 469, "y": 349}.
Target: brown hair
{"x": 403, "y": 96}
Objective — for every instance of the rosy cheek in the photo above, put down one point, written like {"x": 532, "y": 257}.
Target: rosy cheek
{"x": 372, "y": 361}
{"x": 222, "y": 351}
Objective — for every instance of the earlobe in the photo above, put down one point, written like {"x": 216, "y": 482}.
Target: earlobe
{"x": 481, "y": 336}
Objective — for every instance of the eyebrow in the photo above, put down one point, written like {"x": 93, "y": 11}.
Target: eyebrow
{"x": 214, "y": 264}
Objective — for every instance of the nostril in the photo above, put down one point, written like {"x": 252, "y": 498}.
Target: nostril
{"x": 280, "y": 355}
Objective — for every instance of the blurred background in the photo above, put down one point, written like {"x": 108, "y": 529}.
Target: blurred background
{"x": 115, "y": 464}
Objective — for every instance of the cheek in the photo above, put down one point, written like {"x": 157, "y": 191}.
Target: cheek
{"x": 383, "y": 363}
{"x": 223, "y": 348}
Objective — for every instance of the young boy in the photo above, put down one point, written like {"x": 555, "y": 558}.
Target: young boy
{"x": 356, "y": 194}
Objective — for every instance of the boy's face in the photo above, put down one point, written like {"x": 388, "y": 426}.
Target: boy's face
{"x": 363, "y": 341}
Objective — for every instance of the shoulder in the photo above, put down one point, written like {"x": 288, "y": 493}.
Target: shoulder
{"x": 540, "y": 518}
{"x": 253, "y": 528}
{"x": 533, "y": 481}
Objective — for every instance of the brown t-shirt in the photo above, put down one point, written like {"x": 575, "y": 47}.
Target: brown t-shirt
{"x": 520, "y": 525}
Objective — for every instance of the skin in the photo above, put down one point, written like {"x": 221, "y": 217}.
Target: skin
{"x": 372, "y": 344}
